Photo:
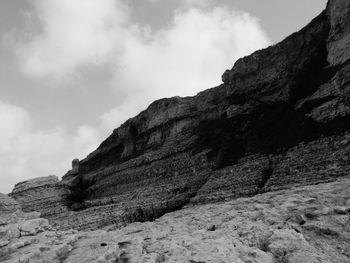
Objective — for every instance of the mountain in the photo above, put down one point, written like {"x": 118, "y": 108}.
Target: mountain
{"x": 281, "y": 118}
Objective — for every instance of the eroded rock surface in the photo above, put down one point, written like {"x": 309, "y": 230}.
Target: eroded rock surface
{"x": 45, "y": 194}
{"x": 339, "y": 38}
{"x": 10, "y": 210}
{"x": 303, "y": 224}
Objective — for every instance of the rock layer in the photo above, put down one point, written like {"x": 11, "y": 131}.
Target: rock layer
{"x": 45, "y": 194}
{"x": 281, "y": 118}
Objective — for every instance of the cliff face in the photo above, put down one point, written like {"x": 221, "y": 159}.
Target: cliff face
{"x": 44, "y": 194}
{"x": 280, "y": 118}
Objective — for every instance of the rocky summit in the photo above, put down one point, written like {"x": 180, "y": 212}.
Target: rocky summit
{"x": 253, "y": 170}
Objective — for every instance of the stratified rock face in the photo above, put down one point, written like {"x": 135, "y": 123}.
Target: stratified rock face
{"x": 45, "y": 194}
{"x": 281, "y": 118}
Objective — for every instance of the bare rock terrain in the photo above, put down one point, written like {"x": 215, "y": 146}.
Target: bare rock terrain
{"x": 300, "y": 225}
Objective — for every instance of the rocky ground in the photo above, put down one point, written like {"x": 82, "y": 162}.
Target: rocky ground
{"x": 304, "y": 224}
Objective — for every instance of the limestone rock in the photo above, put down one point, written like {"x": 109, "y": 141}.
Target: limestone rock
{"x": 8, "y": 204}
{"x": 339, "y": 37}
{"x": 290, "y": 246}
{"x": 10, "y": 210}
{"x": 34, "y": 226}
{"x": 258, "y": 229}
{"x": 45, "y": 195}
{"x": 34, "y": 183}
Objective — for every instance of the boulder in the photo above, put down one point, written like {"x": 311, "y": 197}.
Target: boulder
{"x": 34, "y": 226}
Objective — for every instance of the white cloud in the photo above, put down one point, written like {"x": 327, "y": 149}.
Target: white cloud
{"x": 191, "y": 54}
{"x": 74, "y": 33}
{"x": 201, "y": 3}
{"x": 27, "y": 152}
{"x": 187, "y": 56}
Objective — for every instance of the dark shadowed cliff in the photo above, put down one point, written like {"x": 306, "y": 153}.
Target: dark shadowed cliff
{"x": 281, "y": 118}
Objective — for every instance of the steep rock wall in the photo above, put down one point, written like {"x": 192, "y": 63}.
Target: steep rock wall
{"x": 280, "y": 118}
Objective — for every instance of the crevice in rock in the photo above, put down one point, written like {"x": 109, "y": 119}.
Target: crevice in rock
{"x": 265, "y": 177}
{"x": 152, "y": 212}
{"x": 266, "y": 174}
{"x": 78, "y": 193}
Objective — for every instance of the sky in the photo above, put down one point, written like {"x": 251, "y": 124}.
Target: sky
{"x": 71, "y": 71}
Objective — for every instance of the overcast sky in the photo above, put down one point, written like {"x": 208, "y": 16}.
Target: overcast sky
{"x": 72, "y": 70}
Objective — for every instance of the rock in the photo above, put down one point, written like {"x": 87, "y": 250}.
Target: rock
{"x": 20, "y": 244}
{"x": 211, "y": 228}
{"x": 4, "y": 242}
{"x": 290, "y": 246}
{"x": 34, "y": 183}
{"x": 32, "y": 215}
{"x": 300, "y": 219}
{"x": 63, "y": 251}
{"x": 181, "y": 236}
{"x": 34, "y": 226}
{"x": 339, "y": 37}
{"x": 341, "y": 210}
{"x": 10, "y": 232}
{"x": 45, "y": 195}
{"x": 225, "y": 76}
{"x": 75, "y": 166}
{"x": 8, "y": 204}
{"x": 10, "y": 210}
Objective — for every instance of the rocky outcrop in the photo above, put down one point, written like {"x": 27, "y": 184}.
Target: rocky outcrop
{"x": 339, "y": 37}
{"x": 22, "y": 233}
{"x": 45, "y": 195}
{"x": 303, "y": 224}
{"x": 281, "y": 118}
{"x": 14, "y": 223}
{"x": 10, "y": 210}
{"x": 8, "y": 204}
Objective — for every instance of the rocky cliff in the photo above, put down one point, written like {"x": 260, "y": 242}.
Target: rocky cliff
{"x": 44, "y": 194}
{"x": 281, "y": 118}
